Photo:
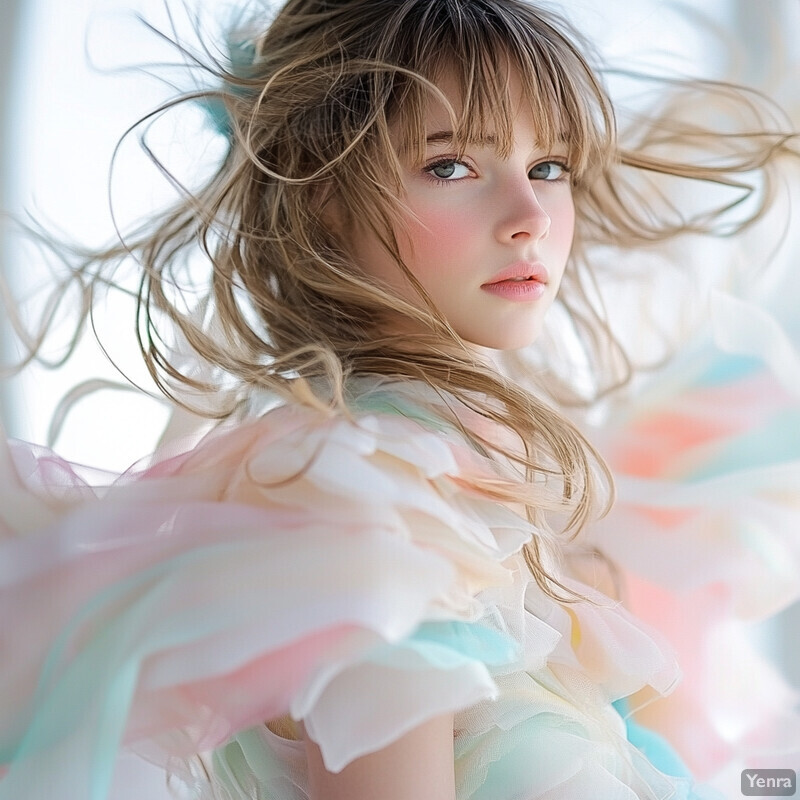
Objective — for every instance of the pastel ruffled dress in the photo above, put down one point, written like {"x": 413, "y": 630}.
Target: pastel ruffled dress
{"x": 350, "y": 571}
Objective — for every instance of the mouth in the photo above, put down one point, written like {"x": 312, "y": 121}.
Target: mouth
{"x": 521, "y": 272}
{"x": 517, "y": 289}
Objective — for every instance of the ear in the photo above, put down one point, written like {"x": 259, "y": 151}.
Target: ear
{"x": 327, "y": 206}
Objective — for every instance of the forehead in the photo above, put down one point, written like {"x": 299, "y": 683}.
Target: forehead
{"x": 472, "y": 67}
{"x": 452, "y": 111}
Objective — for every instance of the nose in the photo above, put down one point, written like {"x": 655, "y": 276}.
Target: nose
{"x": 522, "y": 216}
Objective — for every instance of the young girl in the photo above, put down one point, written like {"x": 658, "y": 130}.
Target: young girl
{"x": 371, "y": 579}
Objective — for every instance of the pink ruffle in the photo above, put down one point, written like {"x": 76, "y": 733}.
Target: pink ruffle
{"x": 264, "y": 572}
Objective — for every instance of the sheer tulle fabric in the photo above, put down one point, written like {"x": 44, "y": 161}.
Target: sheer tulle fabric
{"x": 705, "y": 530}
{"x": 301, "y": 563}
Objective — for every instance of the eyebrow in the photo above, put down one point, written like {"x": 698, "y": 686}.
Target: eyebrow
{"x": 440, "y": 137}
{"x": 487, "y": 140}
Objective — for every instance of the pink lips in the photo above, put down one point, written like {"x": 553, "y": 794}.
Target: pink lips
{"x": 523, "y": 280}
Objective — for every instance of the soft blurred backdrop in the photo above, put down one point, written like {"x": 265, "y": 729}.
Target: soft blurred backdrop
{"x": 69, "y": 88}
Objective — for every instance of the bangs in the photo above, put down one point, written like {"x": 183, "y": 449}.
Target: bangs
{"x": 479, "y": 45}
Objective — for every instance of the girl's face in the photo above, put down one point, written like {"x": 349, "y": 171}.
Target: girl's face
{"x": 487, "y": 237}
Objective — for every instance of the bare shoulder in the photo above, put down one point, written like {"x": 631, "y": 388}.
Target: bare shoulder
{"x": 418, "y": 764}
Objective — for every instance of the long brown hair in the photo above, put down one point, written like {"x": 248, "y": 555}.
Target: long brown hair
{"x": 310, "y": 115}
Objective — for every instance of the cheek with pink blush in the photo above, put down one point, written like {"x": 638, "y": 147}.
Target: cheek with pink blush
{"x": 429, "y": 249}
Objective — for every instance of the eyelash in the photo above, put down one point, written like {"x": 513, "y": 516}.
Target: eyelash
{"x": 565, "y": 174}
{"x": 442, "y": 162}
{"x": 428, "y": 170}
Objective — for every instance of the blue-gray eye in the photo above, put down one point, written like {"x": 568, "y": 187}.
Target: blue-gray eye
{"x": 548, "y": 171}
{"x": 448, "y": 170}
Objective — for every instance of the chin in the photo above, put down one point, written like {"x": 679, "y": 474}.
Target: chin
{"x": 504, "y": 339}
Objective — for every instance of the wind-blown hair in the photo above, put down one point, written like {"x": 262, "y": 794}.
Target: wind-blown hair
{"x": 313, "y": 119}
